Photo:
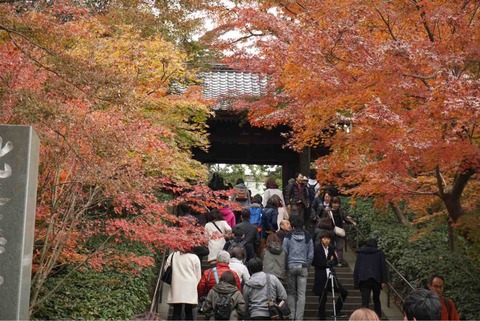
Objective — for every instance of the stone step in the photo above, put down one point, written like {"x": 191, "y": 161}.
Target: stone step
{"x": 344, "y": 275}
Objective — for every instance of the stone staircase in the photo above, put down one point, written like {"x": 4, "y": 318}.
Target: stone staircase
{"x": 345, "y": 277}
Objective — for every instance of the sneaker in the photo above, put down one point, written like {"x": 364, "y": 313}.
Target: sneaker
{"x": 339, "y": 264}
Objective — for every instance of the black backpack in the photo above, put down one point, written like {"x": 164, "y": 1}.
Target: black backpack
{"x": 223, "y": 307}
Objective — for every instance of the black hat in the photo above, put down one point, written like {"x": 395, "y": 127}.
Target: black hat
{"x": 326, "y": 233}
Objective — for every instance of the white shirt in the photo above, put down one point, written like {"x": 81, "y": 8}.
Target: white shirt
{"x": 326, "y": 255}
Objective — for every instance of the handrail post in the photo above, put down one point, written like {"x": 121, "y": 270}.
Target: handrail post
{"x": 390, "y": 268}
{"x": 158, "y": 293}
{"x": 388, "y": 289}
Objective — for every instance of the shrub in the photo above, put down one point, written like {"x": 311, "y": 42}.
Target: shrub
{"x": 417, "y": 253}
{"x": 92, "y": 295}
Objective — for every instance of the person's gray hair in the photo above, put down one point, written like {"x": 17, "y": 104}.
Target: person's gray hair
{"x": 223, "y": 257}
{"x": 422, "y": 304}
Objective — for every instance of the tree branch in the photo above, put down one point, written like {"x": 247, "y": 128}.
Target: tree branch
{"x": 440, "y": 182}
{"x": 423, "y": 79}
{"x": 387, "y": 23}
{"x": 460, "y": 181}
{"x": 474, "y": 14}
{"x": 11, "y": 31}
{"x": 420, "y": 76}
{"x": 424, "y": 21}
{"x": 251, "y": 34}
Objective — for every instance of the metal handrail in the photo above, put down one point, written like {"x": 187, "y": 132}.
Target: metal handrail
{"x": 391, "y": 268}
{"x": 157, "y": 294}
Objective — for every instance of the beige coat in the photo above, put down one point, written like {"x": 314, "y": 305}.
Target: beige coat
{"x": 186, "y": 273}
{"x": 216, "y": 240}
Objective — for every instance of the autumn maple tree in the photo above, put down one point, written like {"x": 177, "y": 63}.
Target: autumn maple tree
{"x": 94, "y": 81}
{"x": 402, "y": 76}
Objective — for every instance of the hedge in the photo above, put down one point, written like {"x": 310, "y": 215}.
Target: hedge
{"x": 418, "y": 252}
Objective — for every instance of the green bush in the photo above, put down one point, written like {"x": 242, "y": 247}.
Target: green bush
{"x": 92, "y": 295}
{"x": 417, "y": 255}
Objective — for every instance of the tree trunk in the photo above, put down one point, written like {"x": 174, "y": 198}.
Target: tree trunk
{"x": 399, "y": 214}
{"x": 453, "y": 205}
{"x": 451, "y": 197}
{"x": 451, "y": 237}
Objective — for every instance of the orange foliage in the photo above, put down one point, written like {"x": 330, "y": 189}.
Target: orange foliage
{"x": 405, "y": 74}
{"x": 82, "y": 81}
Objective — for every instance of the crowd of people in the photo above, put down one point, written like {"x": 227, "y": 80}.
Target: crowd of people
{"x": 260, "y": 256}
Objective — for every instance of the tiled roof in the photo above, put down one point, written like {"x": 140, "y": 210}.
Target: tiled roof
{"x": 229, "y": 83}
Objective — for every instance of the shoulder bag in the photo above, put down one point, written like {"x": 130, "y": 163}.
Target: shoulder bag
{"x": 337, "y": 230}
{"x": 223, "y": 233}
{"x": 167, "y": 274}
{"x": 278, "y": 310}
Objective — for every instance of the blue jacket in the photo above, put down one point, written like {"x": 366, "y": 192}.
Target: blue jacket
{"x": 298, "y": 245}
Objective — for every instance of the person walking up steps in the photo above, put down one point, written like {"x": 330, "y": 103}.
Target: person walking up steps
{"x": 257, "y": 293}
{"x": 274, "y": 257}
{"x": 298, "y": 246}
{"x": 370, "y": 274}
{"x": 212, "y": 276}
{"x": 224, "y": 301}
{"x": 186, "y": 273}
{"x": 217, "y": 229}
{"x": 237, "y": 256}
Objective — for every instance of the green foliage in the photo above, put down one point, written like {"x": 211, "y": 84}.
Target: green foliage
{"x": 232, "y": 172}
{"x": 92, "y": 295}
{"x": 419, "y": 253}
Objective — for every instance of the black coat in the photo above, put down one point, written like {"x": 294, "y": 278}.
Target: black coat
{"x": 250, "y": 231}
{"x": 339, "y": 216}
{"x": 370, "y": 264}
{"x": 320, "y": 264}
{"x": 297, "y": 195}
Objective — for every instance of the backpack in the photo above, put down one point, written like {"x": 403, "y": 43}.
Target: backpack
{"x": 255, "y": 215}
{"x": 241, "y": 193}
{"x": 223, "y": 307}
{"x": 268, "y": 219}
{"x": 449, "y": 308}
{"x": 234, "y": 243}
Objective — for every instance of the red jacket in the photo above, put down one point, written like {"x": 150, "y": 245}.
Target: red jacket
{"x": 207, "y": 282}
{"x": 453, "y": 315}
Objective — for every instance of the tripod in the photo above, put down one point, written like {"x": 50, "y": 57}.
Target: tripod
{"x": 333, "y": 282}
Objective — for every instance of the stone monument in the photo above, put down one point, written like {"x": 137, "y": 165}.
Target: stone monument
{"x": 19, "y": 153}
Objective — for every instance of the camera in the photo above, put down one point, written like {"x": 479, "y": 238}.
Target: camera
{"x": 331, "y": 263}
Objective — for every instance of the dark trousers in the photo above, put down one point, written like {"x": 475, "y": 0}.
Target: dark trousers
{"x": 177, "y": 311}
{"x": 371, "y": 286}
{"x": 323, "y": 299}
